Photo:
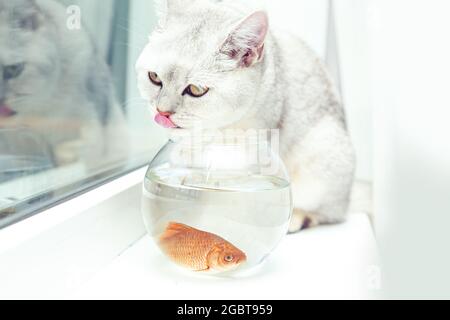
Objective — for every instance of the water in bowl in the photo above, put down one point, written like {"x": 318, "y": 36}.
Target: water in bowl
{"x": 251, "y": 212}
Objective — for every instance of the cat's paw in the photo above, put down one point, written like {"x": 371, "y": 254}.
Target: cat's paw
{"x": 302, "y": 220}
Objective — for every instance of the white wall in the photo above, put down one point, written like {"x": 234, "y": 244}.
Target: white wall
{"x": 306, "y": 18}
{"x": 410, "y": 70}
{"x": 351, "y": 17}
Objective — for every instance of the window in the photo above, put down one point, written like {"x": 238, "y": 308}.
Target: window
{"x": 70, "y": 113}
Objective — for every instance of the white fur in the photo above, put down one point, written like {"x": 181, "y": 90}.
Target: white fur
{"x": 286, "y": 88}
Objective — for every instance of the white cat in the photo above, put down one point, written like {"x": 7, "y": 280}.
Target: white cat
{"x": 215, "y": 64}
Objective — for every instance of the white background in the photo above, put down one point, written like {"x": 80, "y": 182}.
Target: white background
{"x": 409, "y": 88}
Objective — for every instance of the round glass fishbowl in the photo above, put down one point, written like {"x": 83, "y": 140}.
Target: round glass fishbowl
{"x": 217, "y": 202}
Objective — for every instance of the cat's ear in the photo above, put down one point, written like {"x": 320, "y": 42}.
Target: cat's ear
{"x": 245, "y": 44}
{"x": 175, "y": 5}
{"x": 30, "y": 19}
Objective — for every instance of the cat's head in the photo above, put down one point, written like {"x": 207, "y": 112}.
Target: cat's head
{"x": 202, "y": 67}
{"x": 28, "y": 57}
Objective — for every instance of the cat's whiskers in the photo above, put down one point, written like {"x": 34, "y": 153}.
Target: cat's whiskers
{"x": 134, "y": 99}
{"x": 134, "y": 26}
{"x": 17, "y": 100}
{"x": 134, "y": 102}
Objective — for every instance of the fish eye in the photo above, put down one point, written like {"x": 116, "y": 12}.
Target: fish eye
{"x": 154, "y": 78}
{"x": 195, "y": 91}
{"x": 229, "y": 258}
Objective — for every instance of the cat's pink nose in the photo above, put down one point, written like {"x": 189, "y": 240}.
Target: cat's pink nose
{"x": 5, "y": 110}
{"x": 165, "y": 114}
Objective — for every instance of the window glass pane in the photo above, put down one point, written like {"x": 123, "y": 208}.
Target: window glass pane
{"x": 70, "y": 113}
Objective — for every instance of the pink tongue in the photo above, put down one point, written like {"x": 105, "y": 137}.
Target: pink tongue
{"x": 164, "y": 121}
{"x": 5, "y": 111}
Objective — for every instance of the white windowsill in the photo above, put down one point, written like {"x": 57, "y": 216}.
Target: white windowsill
{"x": 94, "y": 246}
{"x": 324, "y": 263}
{"x": 53, "y": 253}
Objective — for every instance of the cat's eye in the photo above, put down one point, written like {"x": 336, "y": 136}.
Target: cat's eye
{"x": 195, "y": 91}
{"x": 13, "y": 71}
{"x": 154, "y": 78}
{"x": 29, "y": 23}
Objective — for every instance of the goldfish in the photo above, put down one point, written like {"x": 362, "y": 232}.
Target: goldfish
{"x": 199, "y": 250}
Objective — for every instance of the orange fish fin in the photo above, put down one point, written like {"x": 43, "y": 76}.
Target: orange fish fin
{"x": 174, "y": 228}
{"x": 203, "y": 270}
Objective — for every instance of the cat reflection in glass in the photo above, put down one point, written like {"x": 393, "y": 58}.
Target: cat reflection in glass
{"x": 218, "y": 64}
{"x": 54, "y": 84}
